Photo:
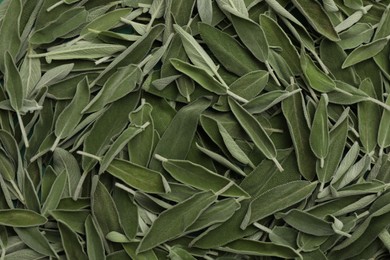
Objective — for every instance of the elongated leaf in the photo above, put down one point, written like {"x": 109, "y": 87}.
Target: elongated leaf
{"x": 233, "y": 147}
{"x": 85, "y": 50}
{"x": 369, "y": 118}
{"x": 104, "y": 209}
{"x": 205, "y": 9}
{"x": 319, "y": 135}
{"x": 200, "y": 76}
{"x": 55, "y": 194}
{"x": 200, "y": 177}
{"x": 257, "y": 248}
{"x": 276, "y": 199}
{"x": 337, "y": 140}
{"x": 227, "y": 50}
{"x": 308, "y": 223}
{"x": 365, "y": 52}
{"x": 36, "y": 240}
{"x": 72, "y": 247}
{"x": 12, "y": 42}
{"x": 253, "y": 128}
{"x": 13, "y": 83}
{"x": 30, "y": 72}
{"x": 277, "y": 37}
{"x": 184, "y": 213}
{"x": 71, "y": 115}
{"x": 66, "y": 23}
{"x": 317, "y": 17}
{"x": 180, "y": 133}
{"x": 21, "y": 218}
{"x": 95, "y": 247}
{"x": 117, "y": 146}
{"x": 117, "y": 86}
{"x": 252, "y": 35}
{"x": 195, "y": 52}
{"x": 384, "y": 131}
{"x": 138, "y": 177}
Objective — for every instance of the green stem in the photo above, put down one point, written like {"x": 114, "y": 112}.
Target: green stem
{"x": 271, "y": 72}
{"x": 125, "y": 188}
{"x": 23, "y": 130}
{"x": 18, "y": 192}
{"x": 343, "y": 91}
{"x": 318, "y": 59}
{"x": 55, "y": 5}
{"x": 221, "y": 191}
{"x": 278, "y": 165}
{"x": 79, "y": 186}
{"x": 55, "y": 144}
{"x": 237, "y": 97}
{"x": 262, "y": 228}
{"x": 373, "y": 100}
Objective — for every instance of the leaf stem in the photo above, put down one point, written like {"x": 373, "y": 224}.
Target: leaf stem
{"x": 343, "y": 91}
{"x": 125, "y": 188}
{"x": 318, "y": 59}
{"x": 54, "y": 6}
{"x": 271, "y": 72}
{"x": 18, "y": 192}
{"x": 278, "y": 165}
{"x": 262, "y": 227}
{"x": 237, "y": 97}
{"x": 221, "y": 191}
{"x": 55, "y": 144}
{"x": 22, "y": 129}
{"x": 373, "y": 100}
{"x": 80, "y": 185}
{"x": 160, "y": 158}
{"x": 89, "y": 155}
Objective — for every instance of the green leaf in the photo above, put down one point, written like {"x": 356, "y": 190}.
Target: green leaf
{"x": 33, "y": 238}
{"x": 103, "y": 208}
{"x": 11, "y": 43}
{"x": 200, "y": 76}
{"x": 319, "y": 135}
{"x": 71, "y": 115}
{"x": 117, "y": 86}
{"x": 369, "y": 118}
{"x": 277, "y": 37}
{"x": 72, "y": 246}
{"x": 84, "y": 50}
{"x": 252, "y": 35}
{"x": 64, "y": 24}
{"x": 307, "y": 223}
{"x": 21, "y": 218}
{"x": 233, "y": 147}
{"x": 199, "y": 177}
{"x": 137, "y": 176}
{"x": 277, "y": 199}
{"x": 95, "y": 247}
{"x": 337, "y": 142}
{"x": 179, "y": 133}
{"x": 365, "y": 52}
{"x": 184, "y": 213}
{"x": 384, "y": 131}
{"x": 118, "y": 145}
{"x": 195, "y": 52}
{"x": 258, "y": 248}
{"x": 55, "y": 194}
{"x": 205, "y": 10}
{"x": 256, "y": 132}
{"x": 317, "y": 18}
{"x": 228, "y": 50}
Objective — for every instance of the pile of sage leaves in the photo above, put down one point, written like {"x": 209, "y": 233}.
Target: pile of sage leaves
{"x": 194, "y": 129}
